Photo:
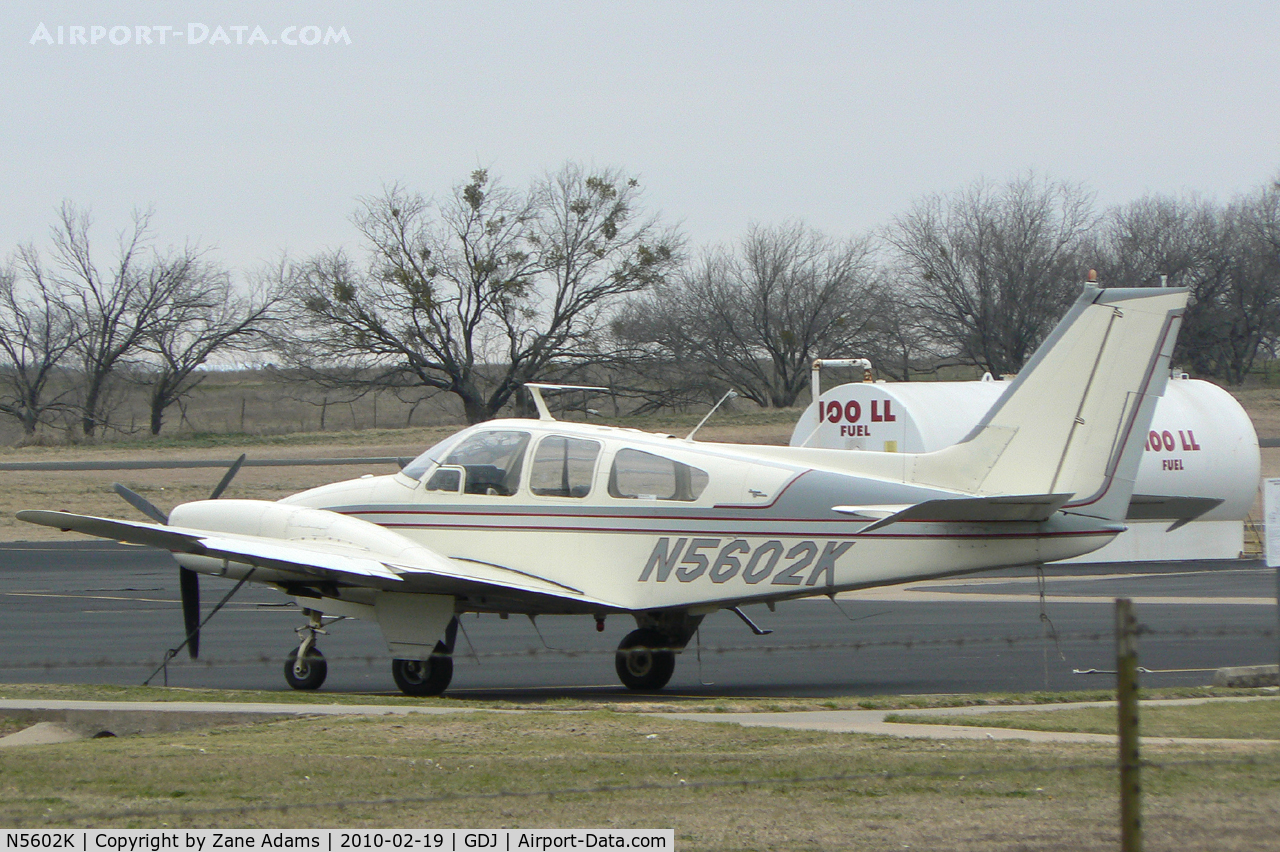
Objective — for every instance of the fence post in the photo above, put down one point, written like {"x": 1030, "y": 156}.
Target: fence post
{"x": 1269, "y": 539}
{"x": 1127, "y": 706}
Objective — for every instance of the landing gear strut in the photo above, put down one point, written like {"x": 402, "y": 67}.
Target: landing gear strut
{"x": 430, "y": 676}
{"x": 305, "y": 667}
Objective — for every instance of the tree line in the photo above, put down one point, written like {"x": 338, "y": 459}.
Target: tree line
{"x": 570, "y": 279}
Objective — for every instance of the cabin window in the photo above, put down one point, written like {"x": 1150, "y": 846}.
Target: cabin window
{"x": 492, "y": 461}
{"x": 563, "y": 467}
{"x": 643, "y": 476}
{"x": 446, "y": 479}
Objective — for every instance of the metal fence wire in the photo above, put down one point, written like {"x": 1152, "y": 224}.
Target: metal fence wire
{"x": 1268, "y": 760}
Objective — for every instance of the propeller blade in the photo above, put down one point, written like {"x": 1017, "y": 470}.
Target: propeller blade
{"x": 189, "y": 583}
{"x": 142, "y": 504}
{"x": 227, "y": 477}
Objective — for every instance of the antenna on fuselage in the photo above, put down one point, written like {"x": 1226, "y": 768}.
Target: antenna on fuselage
{"x": 732, "y": 394}
{"x": 536, "y": 388}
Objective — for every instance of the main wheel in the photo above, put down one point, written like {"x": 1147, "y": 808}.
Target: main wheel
{"x": 645, "y": 662}
{"x": 307, "y": 674}
{"x": 423, "y": 677}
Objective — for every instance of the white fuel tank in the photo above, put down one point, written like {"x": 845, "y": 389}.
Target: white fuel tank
{"x": 1201, "y": 443}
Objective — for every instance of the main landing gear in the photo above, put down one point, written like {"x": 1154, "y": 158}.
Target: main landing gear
{"x": 646, "y": 657}
{"x": 645, "y": 660}
{"x": 430, "y": 676}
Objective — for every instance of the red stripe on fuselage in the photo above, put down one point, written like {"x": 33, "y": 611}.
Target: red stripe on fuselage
{"x": 771, "y": 533}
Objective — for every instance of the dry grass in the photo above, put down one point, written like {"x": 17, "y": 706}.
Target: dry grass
{"x": 89, "y": 492}
{"x": 636, "y": 704}
{"x": 719, "y": 786}
{"x": 1258, "y": 720}
{"x": 1263, "y": 407}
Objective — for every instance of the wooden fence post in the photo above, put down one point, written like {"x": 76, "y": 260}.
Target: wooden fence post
{"x": 1127, "y": 706}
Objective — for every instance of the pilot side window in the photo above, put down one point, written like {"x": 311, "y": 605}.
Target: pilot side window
{"x": 492, "y": 462}
{"x": 644, "y": 476}
{"x": 563, "y": 467}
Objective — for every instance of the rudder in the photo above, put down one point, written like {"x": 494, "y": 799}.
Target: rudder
{"x": 1075, "y": 418}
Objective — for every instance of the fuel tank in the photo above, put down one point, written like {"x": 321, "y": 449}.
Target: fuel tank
{"x": 1201, "y": 444}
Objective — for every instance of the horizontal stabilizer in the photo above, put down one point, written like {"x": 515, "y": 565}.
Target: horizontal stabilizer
{"x": 871, "y": 513}
{"x": 974, "y": 510}
{"x": 1182, "y": 510}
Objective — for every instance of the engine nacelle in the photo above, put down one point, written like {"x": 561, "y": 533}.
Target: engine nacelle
{"x": 285, "y": 524}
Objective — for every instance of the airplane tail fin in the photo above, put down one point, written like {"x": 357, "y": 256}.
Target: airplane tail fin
{"x": 1075, "y": 419}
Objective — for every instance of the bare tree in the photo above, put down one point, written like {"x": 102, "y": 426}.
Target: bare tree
{"x": 1229, "y": 258}
{"x": 1159, "y": 240}
{"x": 755, "y": 317}
{"x": 1240, "y": 315}
{"x": 492, "y": 288}
{"x": 204, "y": 317}
{"x": 1173, "y": 241}
{"x": 36, "y": 333}
{"x": 115, "y": 307}
{"x": 992, "y": 268}
{"x": 898, "y": 344}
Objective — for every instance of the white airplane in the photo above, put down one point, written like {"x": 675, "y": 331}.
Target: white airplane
{"x": 547, "y": 517}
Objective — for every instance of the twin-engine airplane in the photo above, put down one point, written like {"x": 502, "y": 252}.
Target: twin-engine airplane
{"x": 547, "y": 517}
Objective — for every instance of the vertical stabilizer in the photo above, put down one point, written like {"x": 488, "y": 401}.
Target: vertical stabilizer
{"x": 1075, "y": 418}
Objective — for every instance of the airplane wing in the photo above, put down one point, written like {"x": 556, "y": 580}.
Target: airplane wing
{"x": 978, "y": 510}
{"x": 414, "y": 569}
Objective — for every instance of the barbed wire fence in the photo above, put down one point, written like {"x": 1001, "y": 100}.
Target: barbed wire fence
{"x": 1130, "y": 763}
{"x": 956, "y": 642}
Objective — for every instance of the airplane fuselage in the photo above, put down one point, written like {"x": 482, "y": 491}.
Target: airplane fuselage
{"x": 761, "y": 529}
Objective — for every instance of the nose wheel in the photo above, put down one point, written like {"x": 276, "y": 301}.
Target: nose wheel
{"x": 305, "y": 667}
{"x": 307, "y": 672}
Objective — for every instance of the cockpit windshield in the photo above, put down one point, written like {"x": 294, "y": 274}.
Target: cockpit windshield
{"x": 492, "y": 460}
{"x": 429, "y": 459}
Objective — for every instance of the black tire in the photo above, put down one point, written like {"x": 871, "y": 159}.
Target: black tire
{"x": 423, "y": 677}
{"x": 645, "y": 661}
{"x": 310, "y": 674}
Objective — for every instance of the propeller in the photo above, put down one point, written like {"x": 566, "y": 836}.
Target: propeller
{"x": 188, "y": 580}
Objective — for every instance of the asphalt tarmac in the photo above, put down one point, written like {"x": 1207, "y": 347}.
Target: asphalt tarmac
{"x": 98, "y": 612}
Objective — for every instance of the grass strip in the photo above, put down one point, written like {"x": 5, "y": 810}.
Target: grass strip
{"x": 719, "y": 786}
{"x": 615, "y": 703}
{"x": 1225, "y": 720}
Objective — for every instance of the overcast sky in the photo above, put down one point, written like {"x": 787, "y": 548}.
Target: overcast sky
{"x": 840, "y": 114}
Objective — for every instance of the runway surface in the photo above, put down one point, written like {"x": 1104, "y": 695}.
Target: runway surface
{"x": 98, "y": 612}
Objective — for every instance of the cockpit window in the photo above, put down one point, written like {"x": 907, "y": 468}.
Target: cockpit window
{"x": 563, "y": 467}
{"x": 643, "y": 476}
{"x": 492, "y": 461}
